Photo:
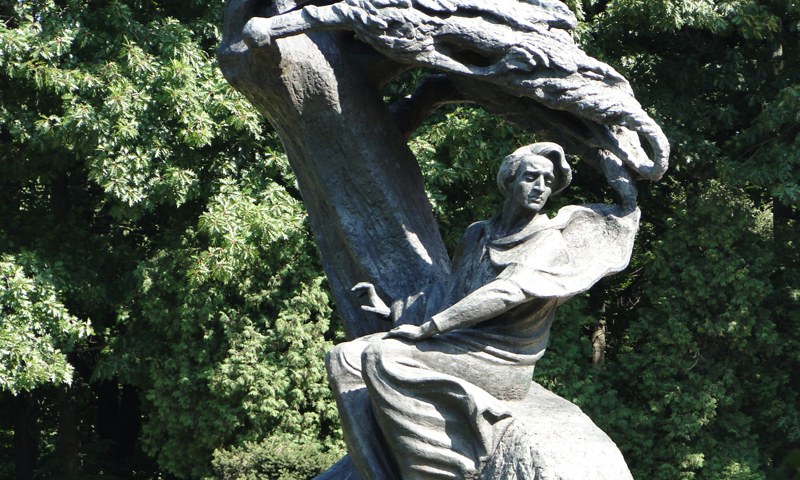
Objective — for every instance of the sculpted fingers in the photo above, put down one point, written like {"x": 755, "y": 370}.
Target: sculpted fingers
{"x": 374, "y": 303}
{"x": 363, "y": 286}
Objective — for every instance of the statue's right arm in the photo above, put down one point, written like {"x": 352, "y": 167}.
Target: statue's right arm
{"x": 484, "y": 303}
{"x": 487, "y": 302}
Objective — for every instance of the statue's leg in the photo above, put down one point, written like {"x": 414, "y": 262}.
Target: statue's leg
{"x": 365, "y": 441}
{"x": 437, "y": 423}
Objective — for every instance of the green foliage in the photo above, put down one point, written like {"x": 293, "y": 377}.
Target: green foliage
{"x": 141, "y": 192}
{"x": 35, "y": 327}
{"x": 767, "y": 153}
{"x": 276, "y": 458}
{"x": 240, "y": 352}
{"x": 791, "y": 465}
{"x": 708, "y": 354}
{"x": 136, "y": 98}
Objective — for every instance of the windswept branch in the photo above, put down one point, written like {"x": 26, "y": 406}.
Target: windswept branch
{"x": 517, "y": 47}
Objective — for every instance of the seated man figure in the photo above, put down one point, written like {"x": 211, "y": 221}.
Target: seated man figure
{"x": 426, "y": 400}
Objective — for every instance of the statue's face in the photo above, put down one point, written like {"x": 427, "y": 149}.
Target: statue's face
{"x": 532, "y": 185}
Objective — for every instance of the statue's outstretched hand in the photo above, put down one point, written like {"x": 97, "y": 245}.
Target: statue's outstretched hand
{"x": 375, "y": 304}
{"x": 413, "y": 332}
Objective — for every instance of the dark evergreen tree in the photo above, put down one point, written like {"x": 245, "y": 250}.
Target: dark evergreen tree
{"x": 160, "y": 290}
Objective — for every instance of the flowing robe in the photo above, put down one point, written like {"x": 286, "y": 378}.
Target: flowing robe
{"x": 433, "y": 409}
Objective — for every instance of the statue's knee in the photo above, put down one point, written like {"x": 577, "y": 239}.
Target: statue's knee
{"x": 334, "y": 363}
{"x": 330, "y": 358}
{"x": 379, "y": 354}
{"x": 372, "y": 354}
{"x": 342, "y": 361}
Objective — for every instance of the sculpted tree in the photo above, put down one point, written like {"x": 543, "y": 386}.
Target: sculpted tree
{"x": 316, "y": 73}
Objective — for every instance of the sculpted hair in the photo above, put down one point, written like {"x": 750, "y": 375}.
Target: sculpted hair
{"x": 551, "y": 151}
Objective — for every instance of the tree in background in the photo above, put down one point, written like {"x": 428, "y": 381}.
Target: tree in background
{"x": 160, "y": 290}
{"x": 153, "y": 242}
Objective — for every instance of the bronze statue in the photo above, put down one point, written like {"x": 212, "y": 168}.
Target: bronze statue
{"x": 437, "y": 380}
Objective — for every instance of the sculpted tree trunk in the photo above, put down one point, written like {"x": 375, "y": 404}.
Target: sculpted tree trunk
{"x": 360, "y": 182}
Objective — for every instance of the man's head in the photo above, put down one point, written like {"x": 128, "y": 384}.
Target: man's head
{"x": 532, "y": 184}
{"x": 509, "y": 169}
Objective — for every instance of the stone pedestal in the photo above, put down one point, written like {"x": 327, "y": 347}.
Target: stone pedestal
{"x": 550, "y": 439}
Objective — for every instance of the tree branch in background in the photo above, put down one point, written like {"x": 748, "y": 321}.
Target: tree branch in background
{"x": 433, "y": 92}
